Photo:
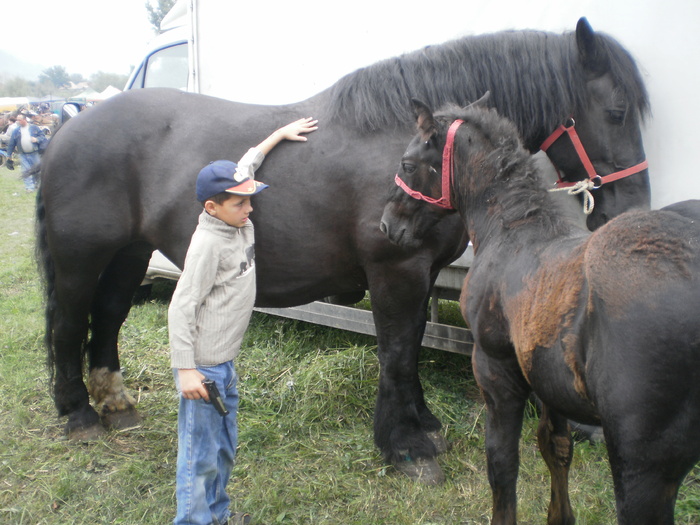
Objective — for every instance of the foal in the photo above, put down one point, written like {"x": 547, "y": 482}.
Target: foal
{"x": 602, "y": 326}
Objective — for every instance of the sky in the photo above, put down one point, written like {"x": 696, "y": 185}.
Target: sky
{"x": 84, "y": 36}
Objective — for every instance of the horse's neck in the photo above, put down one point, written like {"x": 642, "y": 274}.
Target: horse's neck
{"x": 507, "y": 257}
{"x": 562, "y": 217}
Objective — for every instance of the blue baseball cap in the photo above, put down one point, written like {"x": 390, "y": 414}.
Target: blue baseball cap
{"x": 223, "y": 175}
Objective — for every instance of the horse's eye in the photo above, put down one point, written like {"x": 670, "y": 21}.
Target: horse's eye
{"x": 408, "y": 167}
{"x": 617, "y": 116}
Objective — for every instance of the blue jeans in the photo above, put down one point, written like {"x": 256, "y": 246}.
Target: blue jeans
{"x": 27, "y": 161}
{"x": 206, "y": 450}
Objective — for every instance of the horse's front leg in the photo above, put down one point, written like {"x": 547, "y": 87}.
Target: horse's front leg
{"x": 505, "y": 392}
{"x": 557, "y": 449}
{"x": 405, "y": 430}
{"x": 110, "y": 307}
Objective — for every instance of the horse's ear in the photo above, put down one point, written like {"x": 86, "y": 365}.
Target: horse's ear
{"x": 424, "y": 119}
{"x": 481, "y": 102}
{"x": 592, "y": 53}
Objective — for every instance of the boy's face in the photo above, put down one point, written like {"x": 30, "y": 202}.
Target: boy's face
{"x": 233, "y": 211}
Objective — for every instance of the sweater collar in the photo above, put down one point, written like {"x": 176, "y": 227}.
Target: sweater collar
{"x": 218, "y": 226}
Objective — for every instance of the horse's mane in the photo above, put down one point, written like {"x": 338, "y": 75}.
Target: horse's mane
{"x": 508, "y": 174}
{"x": 535, "y": 79}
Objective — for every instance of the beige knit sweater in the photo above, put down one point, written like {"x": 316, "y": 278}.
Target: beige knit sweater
{"x": 214, "y": 298}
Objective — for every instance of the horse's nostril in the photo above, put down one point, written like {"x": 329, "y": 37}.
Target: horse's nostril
{"x": 382, "y": 227}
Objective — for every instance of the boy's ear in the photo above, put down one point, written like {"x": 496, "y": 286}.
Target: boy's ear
{"x": 210, "y": 207}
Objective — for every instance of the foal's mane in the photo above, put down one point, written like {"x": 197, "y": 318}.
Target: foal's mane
{"x": 505, "y": 174}
{"x": 535, "y": 78}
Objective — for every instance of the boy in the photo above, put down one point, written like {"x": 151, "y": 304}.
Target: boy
{"x": 207, "y": 319}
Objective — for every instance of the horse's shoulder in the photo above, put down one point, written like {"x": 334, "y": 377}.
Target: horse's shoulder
{"x": 482, "y": 305}
{"x": 544, "y": 304}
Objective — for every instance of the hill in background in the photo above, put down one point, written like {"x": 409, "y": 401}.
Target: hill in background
{"x": 11, "y": 67}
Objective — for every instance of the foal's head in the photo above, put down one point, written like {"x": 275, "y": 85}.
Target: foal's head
{"x": 477, "y": 143}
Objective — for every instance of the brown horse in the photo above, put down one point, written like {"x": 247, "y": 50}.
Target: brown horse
{"x": 601, "y": 326}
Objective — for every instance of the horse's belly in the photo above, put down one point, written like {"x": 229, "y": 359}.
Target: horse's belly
{"x": 560, "y": 386}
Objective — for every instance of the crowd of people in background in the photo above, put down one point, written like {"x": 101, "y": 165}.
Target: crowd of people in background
{"x": 25, "y": 132}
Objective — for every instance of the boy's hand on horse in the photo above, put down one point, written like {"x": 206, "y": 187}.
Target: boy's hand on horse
{"x": 293, "y": 131}
{"x": 191, "y": 386}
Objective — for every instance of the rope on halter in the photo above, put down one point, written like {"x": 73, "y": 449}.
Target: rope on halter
{"x": 582, "y": 187}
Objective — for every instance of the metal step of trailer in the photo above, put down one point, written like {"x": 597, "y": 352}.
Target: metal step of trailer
{"x": 439, "y": 336}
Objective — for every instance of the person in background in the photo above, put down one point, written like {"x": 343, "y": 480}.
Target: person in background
{"x": 5, "y": 139}
{"x": 12, "y": 124}
{"x": 29, "y": 139}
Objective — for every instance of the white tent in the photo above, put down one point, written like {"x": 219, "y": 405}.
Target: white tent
{"x": 13, "y": 103}
{"x": 88, "y": 94}
{"x": 109, "y": 91}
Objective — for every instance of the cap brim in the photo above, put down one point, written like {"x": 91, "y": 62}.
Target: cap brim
{"x": 249, "y": 187}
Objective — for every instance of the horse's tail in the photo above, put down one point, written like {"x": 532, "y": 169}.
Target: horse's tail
{"x": 47, "y": 271}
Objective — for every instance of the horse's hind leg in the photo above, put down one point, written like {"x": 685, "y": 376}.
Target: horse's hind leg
{"x": 109, "y": 310}
{"x": 557, "y": 449}
{"x": 648, "y": 473}
{"x": 67, "y": 327}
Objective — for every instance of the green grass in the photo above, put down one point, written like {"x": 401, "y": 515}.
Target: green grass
{"x": 306, "y": 453}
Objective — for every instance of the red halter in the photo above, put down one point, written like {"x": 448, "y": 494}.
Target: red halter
{"x": 598, "y": 180}
{"x": 447, "y": 173}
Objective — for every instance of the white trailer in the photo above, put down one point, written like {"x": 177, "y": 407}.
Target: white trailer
{"x": 283, "y": 52}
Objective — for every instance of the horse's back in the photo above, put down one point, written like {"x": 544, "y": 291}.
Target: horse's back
{"x": 125, "y": 171}
{"x": 138, "y": 125}
{"x": 641, "y": 251}
{"x": 127, "y": 167}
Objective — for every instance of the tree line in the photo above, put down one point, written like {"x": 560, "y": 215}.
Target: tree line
{"x": 56, "y": 81}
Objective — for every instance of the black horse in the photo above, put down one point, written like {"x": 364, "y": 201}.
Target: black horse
{"x": 601, "y": 326}
{"x": 118, "y": 182}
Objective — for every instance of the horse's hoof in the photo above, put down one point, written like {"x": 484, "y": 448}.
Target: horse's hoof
{"x": 441, "y": 444}
{"x": 422, "y": 470}
{"x": 122, "y": 419}
{"x": 91, "y": 433}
